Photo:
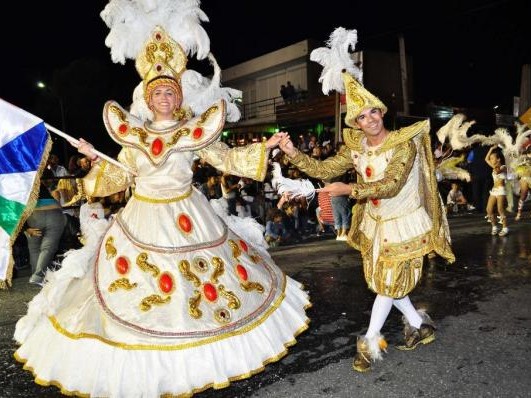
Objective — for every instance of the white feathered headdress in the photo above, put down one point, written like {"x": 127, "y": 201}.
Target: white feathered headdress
{"x": 340, "y": 73}
{"x": 131, "y": 23}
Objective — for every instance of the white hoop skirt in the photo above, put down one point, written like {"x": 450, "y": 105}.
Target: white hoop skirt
{"x": 124, "y": 317}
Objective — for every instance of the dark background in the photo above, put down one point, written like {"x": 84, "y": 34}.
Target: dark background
{"x": 465, "y": 53}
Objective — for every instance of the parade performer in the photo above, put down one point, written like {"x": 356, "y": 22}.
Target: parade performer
{"x": 163, "y": 299}
{"x": 398, "y": 216}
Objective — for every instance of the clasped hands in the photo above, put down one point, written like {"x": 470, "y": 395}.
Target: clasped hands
{"x": 283, "y": 140}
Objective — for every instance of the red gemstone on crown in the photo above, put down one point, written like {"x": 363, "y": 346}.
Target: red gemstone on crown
{"x": 122, "y": 265}
{"x": 185, "y": 223}
{"x": 242, "y": 272}
{"x": 158, "y": 36}
{"x": 166, "y": 282}
{"x": 159, "y": 68}
{"x": 122, "y": 129}
{"x": 156, "y": 146}
{"x": 210, "y": 292}
{"x": 198, "y": 133}
{"x": 375, "y": 202}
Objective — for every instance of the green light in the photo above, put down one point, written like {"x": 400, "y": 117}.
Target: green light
{"x": 225, "y": 134}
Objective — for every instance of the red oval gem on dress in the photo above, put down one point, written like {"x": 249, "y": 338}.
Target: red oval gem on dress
{"x": 185, "y": 223}
{"x": 244, "y": 246}
{"x": 242, "y": 272}
{"x": 375, "y": 202}
{"x": 122, "y": 265}
{"x": 122, "y": 129}
{"x": 156, "y": 146}
{"x": 368, "y": 171}
{"x": 210, "y": 292}
{"x": 166, "y": 282}
{"x": 198, "y": 133}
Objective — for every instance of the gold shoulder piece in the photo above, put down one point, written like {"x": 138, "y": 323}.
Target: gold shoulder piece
{"x": 352, "y": 138}
{"x": 405, "y": 134}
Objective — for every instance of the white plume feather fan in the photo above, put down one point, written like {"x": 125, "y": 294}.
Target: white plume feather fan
{"x": 336, "y": 58}
{"x": 293, "y": 188}
{"x": 131, "y": 23}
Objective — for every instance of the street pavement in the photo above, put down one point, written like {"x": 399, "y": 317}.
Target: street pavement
{"x": 481, "y": 305}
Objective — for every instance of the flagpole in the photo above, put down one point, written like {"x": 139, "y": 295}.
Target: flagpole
{"x": 76, "y": 142}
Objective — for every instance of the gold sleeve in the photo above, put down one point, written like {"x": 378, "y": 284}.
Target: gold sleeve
{"x": 105, "y": 178}
{"x": 325, "y": 169}
{"x": 395, "y": 177}
{"x": 246, "y": 161}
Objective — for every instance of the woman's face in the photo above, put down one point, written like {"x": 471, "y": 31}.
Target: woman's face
{"x": 164, "y": 100}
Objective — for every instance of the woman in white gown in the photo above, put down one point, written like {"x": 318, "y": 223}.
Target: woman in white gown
{"x": 164, "y": 298}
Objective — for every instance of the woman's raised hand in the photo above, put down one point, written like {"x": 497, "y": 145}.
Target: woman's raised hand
{"x": 287, "y": 146}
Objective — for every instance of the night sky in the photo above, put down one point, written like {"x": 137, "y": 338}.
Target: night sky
{"x": 465, "y": 53}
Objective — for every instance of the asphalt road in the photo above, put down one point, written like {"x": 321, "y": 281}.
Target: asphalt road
{"x": 481, "y": 305}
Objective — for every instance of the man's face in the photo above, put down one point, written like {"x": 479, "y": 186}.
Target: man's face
{"x": 371, "y": 122}
{"x": 84, "y": 163}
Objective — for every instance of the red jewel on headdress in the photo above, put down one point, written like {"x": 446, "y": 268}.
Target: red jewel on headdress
{"x": 243, "y": 245}
{"x": 185, "y": 224}
{"x": 368, "y": 171}
{"x": 242, "y": 272}
{"x": 166, "y": 282}
{"x": 375, "y": 202}
{"x": 159, "y": 68}
{"x": 121, "y": 265}
{"x": 122, "y": 129}
{"x": 210, "y": 292}
{"x": 198, "y": 133}
{"x": 156, "y": 146}
{"x": 158, "y": 36}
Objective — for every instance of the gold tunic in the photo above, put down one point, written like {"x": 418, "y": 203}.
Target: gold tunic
{"x": 398, "y": 216}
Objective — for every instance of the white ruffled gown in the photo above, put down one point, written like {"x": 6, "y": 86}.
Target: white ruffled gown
{"x": 164, "y": 298}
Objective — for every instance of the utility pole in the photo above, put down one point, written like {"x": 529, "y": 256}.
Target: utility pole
{"x": 403, "y": 74}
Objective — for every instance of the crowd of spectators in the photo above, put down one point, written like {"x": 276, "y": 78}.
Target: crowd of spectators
{"x": 286, "y": 220}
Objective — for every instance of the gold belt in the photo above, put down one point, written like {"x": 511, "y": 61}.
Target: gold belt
{"x": 379, "y": 218}
{"x": 167, "y": 200}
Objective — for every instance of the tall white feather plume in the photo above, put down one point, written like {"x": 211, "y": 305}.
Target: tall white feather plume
{"x": 131, "y": 22}
{"x": 449, "y": 169}
{"x": 336, "y": 58}
{"x": 294, "y": 188}
{"x": 200, "y": 92}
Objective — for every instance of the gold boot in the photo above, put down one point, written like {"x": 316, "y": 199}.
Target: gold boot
{"x": 368, "y": 350}
{"x": 413, "y": 336}
{"x": 362, "y": 360}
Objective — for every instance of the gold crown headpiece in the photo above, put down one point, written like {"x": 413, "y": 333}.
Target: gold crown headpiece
{"x": 162, "y": 61}
{"x": 358, "y": 98}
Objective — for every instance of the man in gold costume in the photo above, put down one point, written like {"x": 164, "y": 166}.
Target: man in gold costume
{"x": 398, "y": 217}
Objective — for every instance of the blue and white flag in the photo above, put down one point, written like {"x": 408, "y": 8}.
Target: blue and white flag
{"x": 24, "y": 148}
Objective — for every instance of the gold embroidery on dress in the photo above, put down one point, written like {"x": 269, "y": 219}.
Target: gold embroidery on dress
{"x": 250, "y": 286}
{"x": 110, "y": 250}
{"x": 152, "y": 300}
{"x": 236, "y": 250}
{"x": 232, "y": 300}
{"x": 222, "y": 315}
{"x": 122, "y": 283}
{"x": 207, "y": 113}
{"x": 255, "y": 258}
{"x": 219, "y": 269}
{"x": 200, "y": 264}
{"x": 184, "y": 267}
{"x": 177, "y": 135}
{"x": 142, "y": 263}
{"x": 193, "y": 305}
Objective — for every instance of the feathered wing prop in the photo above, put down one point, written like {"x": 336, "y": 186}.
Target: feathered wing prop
{"x": 455, "y": 131}
{"x": 131, "y": 23}
{"x": 449, "y": 169}
{"x": 336, "y": 58}
{"x": 294, "y": 188}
